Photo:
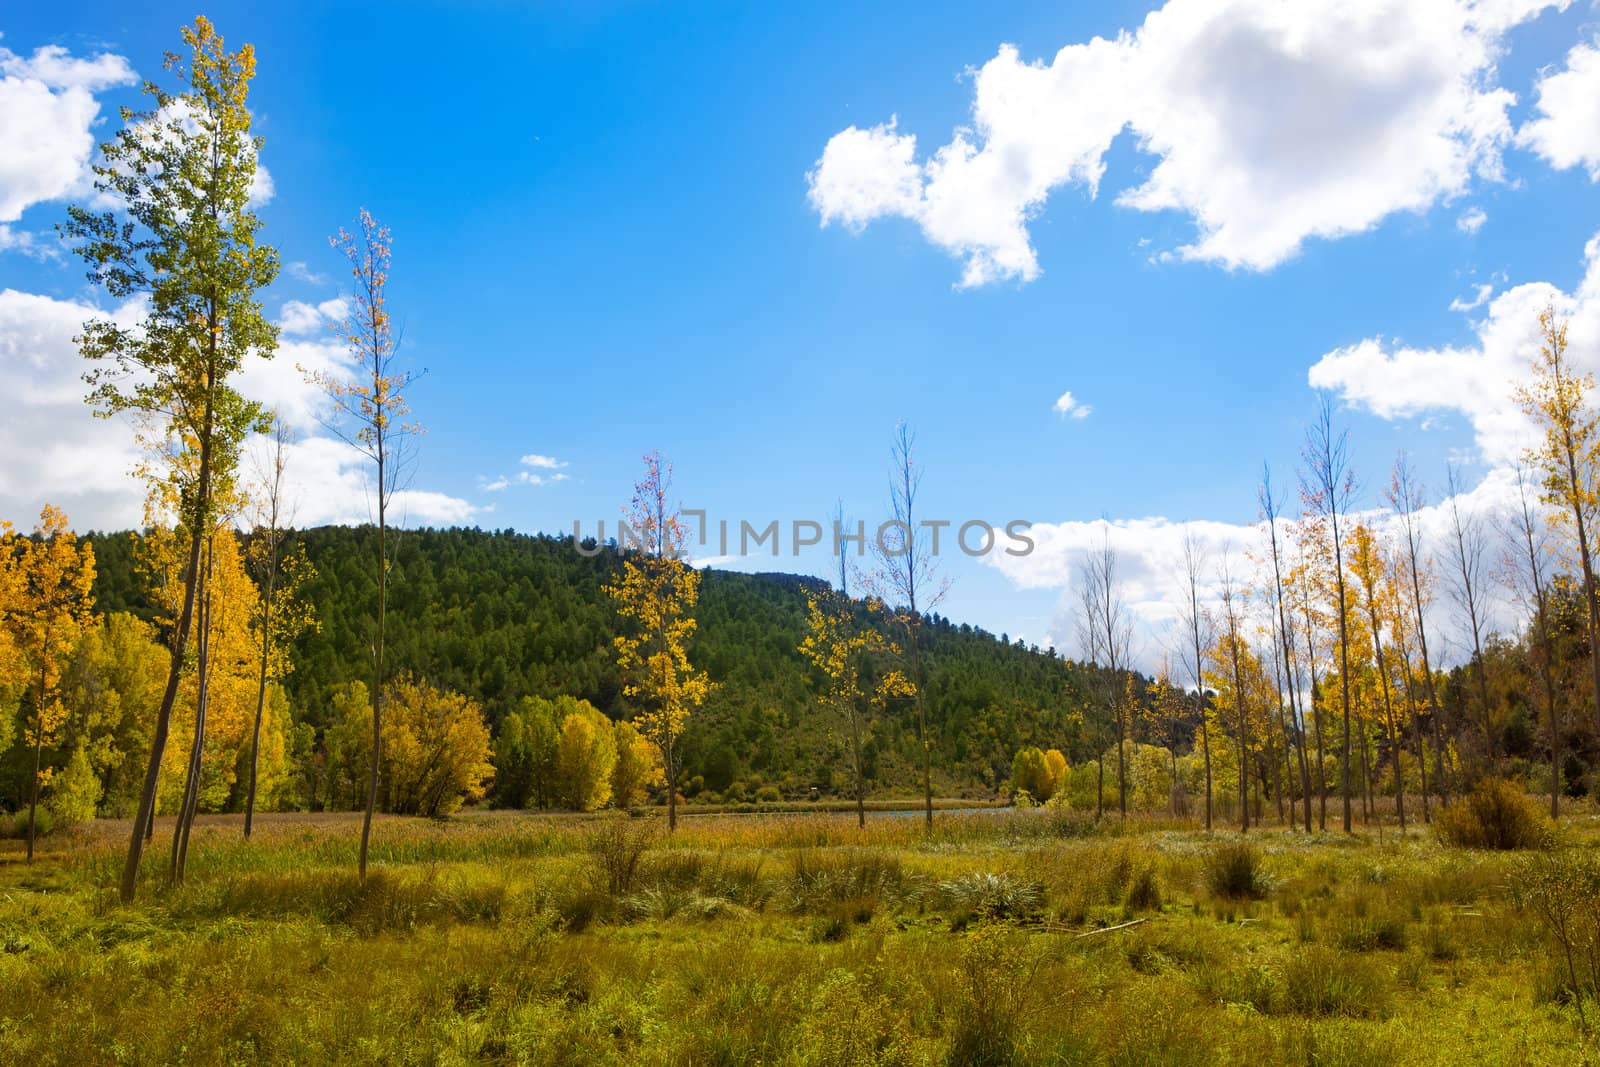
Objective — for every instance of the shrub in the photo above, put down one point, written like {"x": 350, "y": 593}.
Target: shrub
{"x": 1563, "y": 890}
{"x": 995, "y": 983}
{"x": 1233, "y": 870}
{"x": 1497, "y": 814}
{"x": 847, "y": 1026}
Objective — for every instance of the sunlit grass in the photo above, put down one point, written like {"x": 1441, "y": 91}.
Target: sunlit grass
{"x": 1003, "y": 937}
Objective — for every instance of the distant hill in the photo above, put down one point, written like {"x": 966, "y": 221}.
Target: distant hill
{"x": 501, "y": 615}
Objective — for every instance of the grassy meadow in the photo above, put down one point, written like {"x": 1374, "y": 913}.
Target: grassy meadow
{"x": 497, "y": 937}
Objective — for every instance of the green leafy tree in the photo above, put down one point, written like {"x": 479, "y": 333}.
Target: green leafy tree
{"x": 183, "y": 238}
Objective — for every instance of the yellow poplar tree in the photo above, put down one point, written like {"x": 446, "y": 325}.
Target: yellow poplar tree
{"x": 838, "y": 644}
{"x": 637, "y": 769}
{"x": 656, "y": 592}
{"x": 52, "y": 578}
{"x": 1378, "y": 599}
{"x": 1560, "y": 400}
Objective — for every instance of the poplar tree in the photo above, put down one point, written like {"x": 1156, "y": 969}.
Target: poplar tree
{"x": 907, "y": 579}
{"x": 182, "y": 239}
{"x": 1560, "y": 401}
{"x": 656, "y": 593}
{"x": 1329, "y": 488}
{"x": 369, "y": 411}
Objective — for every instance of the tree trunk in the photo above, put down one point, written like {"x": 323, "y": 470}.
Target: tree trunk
{"x": 191, "y": 789}
{"x": 377, "y": 673}
{"x": 261, "y": 681}
{"x": 38, "y": 751}
{"x": 143, "y": 821}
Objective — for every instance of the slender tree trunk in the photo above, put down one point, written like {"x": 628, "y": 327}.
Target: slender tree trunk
{"x": 1122, "y": 770}
{"x": 144, "y": 819}
{"x": 1416, "y": 733}
{"x": 1344, "y": 667}
{"x": 377, "y": 675}
{"x": 1100, "y": 787}
{"x": 855, "y": 750}
{"x": 922, "y": 714}
{"x": 1388, "y": 714}
{"x": 1244, "y": 755}
{"x": 1316, "y": 718}
{"x": 38, "y": 743}
{"x": 191, "y": 788}
{"x": 261, "y": 679}
{"x": 1575, "y": 494}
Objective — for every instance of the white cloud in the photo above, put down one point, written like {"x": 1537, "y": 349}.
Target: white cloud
{"x": 48, "y": 111}
{"x": 1478, "y": 381}
{"x": 1067, "y": 405}
{"x": 1567, "y": 131}
{"x": 544, "y": 470}
{"x": 299, "y": 317}
{"x": 298, "y": 270}
{"x": 866, "y": 174}
{"x": 26, "y": 243}
{"x": 327, "y": 481}
{"x": 1273, "y": 122}
{"x": 1471, "y": 220}
{"x": 1150, "y": 568}
{"x": 57, "y": 451}
{"x": 1480, "y": 297}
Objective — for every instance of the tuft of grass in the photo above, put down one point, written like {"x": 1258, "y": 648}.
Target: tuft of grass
{"x": 1319, "y": 981}
{"x": 1233, "y": 871}
{"x": 617, "y": 848}
{"x": 991, "y": 896}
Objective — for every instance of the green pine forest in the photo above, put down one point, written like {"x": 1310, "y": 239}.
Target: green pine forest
{"x": 501, "y": 616}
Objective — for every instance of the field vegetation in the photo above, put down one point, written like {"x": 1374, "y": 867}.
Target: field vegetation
{"x": 1037, "y": 936}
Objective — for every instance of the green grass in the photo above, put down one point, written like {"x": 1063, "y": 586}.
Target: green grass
{"x": 794, "y": 939}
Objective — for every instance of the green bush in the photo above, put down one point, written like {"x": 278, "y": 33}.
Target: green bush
{"x": 1563, "y": 890}
{"x": 1497, "y": 814}
{"x": 995, "y": 981}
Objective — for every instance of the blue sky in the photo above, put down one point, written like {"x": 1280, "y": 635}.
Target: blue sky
{"x": 608, "y": 224}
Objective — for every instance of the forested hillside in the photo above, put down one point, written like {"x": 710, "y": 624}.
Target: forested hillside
{"x": 499, "y": 616}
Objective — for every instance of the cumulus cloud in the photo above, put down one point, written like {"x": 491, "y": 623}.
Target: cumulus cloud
{"x": 1471, "y": 220}
{"x": 299, "y": 317}
{"x": 545, "y": 463}
{"x": 1272, "y": 123}
{"x": 48, "y": 111}
{"x": 1567, "y": 130}
{"x": 1069, "y": 406}
{"x": 57, "y": 451}
{"x": 1479, "y": 380}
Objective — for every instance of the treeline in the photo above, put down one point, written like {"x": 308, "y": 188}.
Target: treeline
{"x": 506, "y": 618}
{"x": 1318, "y": 645}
